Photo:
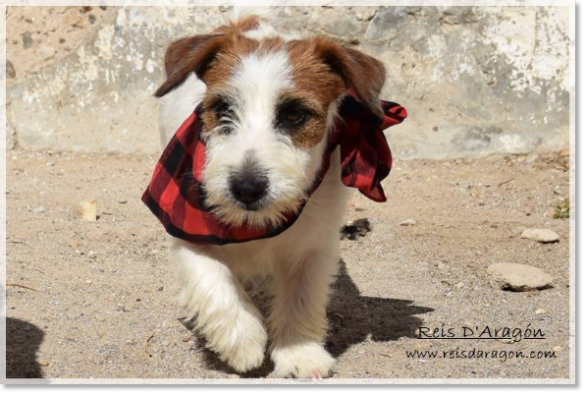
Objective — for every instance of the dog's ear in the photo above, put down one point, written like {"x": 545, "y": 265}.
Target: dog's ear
{"x": 187, "y": 55}
{"x": 361, "y": 72}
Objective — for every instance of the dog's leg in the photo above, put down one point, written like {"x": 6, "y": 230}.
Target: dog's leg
{"x": 298, "y": 318}
{"x": 224, "y": 313}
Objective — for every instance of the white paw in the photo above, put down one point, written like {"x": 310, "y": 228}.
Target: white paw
{"x": 308, "y": 360}
{"x": 242, "y": 344}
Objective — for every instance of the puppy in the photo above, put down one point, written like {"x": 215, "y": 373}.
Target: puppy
{"x": 268, "y": 103}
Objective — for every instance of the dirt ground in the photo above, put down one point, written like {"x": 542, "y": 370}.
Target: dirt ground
{"x": 101, "y": 302}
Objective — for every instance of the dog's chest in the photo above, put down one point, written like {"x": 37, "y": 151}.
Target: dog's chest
{"x": 317, "y": 228}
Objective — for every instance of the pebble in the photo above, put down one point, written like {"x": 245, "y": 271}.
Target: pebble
{"x": 44, "y": 363}
{"x": 441, "y": 265}
{"x": 517, "y": 277}
{"x": 408, "y": 222}
{"x": 123, "y": 201}
{"x": 88, "y": 281}
{"x": 92, "y": 254}
{"x": 557, "y": 348}
{"x": 88, "y": 210}
{"x": 541, "y": 235}
{"x": 540, "y": 311}
{"x": 549, "y": 213}
{"x": 460, "y": 285}
{"x": 37, "y": 210}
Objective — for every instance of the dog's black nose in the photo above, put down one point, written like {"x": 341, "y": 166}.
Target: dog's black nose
{"x": 249, "y": 188}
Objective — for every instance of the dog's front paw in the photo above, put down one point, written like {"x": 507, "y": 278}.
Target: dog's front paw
{"x": 304, "y": 360}
{"x": 243, "y": 345}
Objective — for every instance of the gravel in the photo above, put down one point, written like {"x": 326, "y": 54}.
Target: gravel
{"x": 381, "y": 298}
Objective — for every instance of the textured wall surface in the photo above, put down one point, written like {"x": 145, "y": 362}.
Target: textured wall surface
{"x": 475, "y": 80}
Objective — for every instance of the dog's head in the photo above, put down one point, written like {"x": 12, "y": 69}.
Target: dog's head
{"x": 269, "y": 105}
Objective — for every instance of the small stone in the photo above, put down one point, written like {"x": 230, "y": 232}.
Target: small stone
{"x": 88, "y": 281}
{"x": 541, "y": 235}
{"x": 122, "y": 201}
{"x": 165, "y": 343}
{"x": 233, "y": 376}
{"x": 44, "y": 363}
{"x": 37, "y": 210}
{"x": 88, "y": 210}
{"x": 557, "y": 349}
{"x": 540, "y": 311}
{"x": 460, "y": 285}
{"x": 161, "y": 287}
{"x": 408, "y": 222}
{"x": 549, "y": 213}
{"x": 441, "y": 265}
{"x": 517, "y": 277}
{"x": 92, "y": 254}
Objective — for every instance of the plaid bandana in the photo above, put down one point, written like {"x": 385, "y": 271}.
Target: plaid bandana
{"x": 176, "y": 195}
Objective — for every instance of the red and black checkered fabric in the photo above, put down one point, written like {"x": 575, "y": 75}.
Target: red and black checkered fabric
{"x": 176, "y": 196}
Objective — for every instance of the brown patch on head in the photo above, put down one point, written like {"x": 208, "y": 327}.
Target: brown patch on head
{"x": 317, "y": 85}
{"x": 199, "y": 53}
{"x": 322, "y": 71}
{"x": 320, "y": 63}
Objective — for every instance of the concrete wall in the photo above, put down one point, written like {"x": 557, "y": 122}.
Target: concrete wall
{"x": 475, "y": 80}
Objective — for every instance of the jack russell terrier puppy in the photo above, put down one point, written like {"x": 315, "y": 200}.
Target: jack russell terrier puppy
{"x": 264, "y": 133}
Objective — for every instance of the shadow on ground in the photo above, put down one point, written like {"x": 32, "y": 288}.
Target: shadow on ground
{"x": 23, "y": 340}
{"x": 352, "y": 318}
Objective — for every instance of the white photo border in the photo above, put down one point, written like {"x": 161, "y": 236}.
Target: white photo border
{"x": 342, "y": 3}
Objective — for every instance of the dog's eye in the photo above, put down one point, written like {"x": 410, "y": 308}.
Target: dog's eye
{"x": 292, "y": 117}
{"x": 221, "y": 107}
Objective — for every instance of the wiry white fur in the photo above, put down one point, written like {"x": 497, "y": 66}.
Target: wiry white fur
{"x": 301, "y": 261}
{"x": 256, "y": 87}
